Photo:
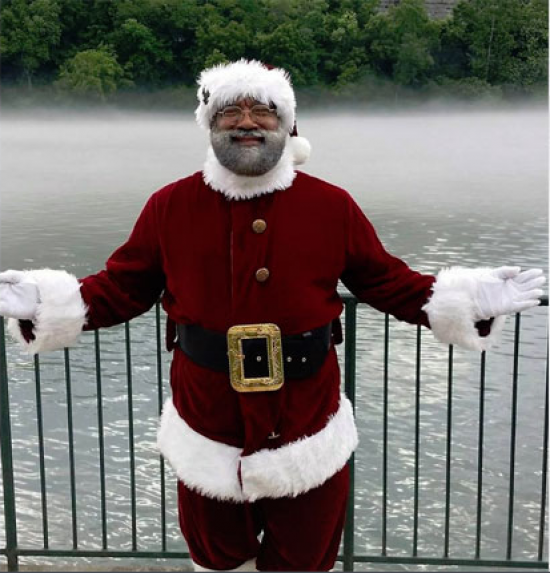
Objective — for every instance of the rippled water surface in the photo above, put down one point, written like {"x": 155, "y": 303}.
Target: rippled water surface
{"x": 466, "y": 188}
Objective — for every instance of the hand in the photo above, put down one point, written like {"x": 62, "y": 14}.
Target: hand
{"x": 19, "y": 295}
{"x": 506, "y": 290}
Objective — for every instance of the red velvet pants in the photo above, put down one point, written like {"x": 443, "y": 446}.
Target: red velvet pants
{"x": 299, "y": 534}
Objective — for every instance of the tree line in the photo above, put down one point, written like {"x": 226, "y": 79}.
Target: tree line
{"x": 98, "y": 47}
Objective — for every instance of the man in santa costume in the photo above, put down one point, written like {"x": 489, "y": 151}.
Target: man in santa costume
{"x": 246, "y": 255}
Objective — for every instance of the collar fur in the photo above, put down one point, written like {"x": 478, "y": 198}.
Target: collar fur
{"x": 235, "y": 186}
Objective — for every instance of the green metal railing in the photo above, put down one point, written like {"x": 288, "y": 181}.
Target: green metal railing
{"x": 13, "y": 551}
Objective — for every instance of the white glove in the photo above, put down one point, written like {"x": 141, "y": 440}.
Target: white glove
{"x": 506, "y": 290}
{"x": 19, "y": 296}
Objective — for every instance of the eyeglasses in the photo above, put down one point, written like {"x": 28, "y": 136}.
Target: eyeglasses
{"x": 258, "y": 113}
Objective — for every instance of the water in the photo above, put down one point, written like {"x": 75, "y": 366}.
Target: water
{"x": 444, "y": 188}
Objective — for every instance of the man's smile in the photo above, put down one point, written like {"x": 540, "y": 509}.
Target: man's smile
{"x": 247, "y": 140}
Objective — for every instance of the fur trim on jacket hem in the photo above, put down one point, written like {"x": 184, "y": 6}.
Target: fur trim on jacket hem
{"x": 212, "y": 468}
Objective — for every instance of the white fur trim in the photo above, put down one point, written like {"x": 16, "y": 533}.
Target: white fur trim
{"x": 302, "y": 465}
{"x": 235, "y": 186}
{"x": 249, "y": 565}
{"x": 212, "y": 468}
{"x": 209, "y": 467}
{"x": 60, "y": 316}
{"x": 452, "y": 309}
{"x": 225, "y": 83}
{"x": 300, "y": 149}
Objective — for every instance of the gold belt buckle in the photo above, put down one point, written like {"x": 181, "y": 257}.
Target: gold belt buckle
{"x": 272, "y": 334}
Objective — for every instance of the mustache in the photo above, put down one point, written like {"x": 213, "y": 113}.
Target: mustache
{"x": 231, "y": 133}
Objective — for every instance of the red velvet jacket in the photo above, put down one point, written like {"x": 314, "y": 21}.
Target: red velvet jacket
{"x": 198, "y": 249}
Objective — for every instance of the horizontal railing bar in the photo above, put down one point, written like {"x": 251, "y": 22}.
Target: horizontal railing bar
{"x": 357, "y": 558}
{"x": 451, "y": 561}
{"x": 349, "y": 297}
{"x": 102, "y": 553}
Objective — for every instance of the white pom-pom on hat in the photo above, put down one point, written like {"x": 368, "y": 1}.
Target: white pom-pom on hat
{"x": 299, "y": 147}
{"x": 224, "y": 84}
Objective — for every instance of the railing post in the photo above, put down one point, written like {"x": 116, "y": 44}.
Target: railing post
{"x": 7, "y": 459}
{"x": 349, "y": 379}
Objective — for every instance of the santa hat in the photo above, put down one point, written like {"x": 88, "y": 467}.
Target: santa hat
{"x": 223, "y": 84}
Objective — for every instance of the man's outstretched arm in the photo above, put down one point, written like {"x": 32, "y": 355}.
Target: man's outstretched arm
{"x": 462, "y": 306}
{"x": 48, "y": 309}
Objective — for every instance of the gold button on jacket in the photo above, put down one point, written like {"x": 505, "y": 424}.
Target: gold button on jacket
{"x": 259, "y": 226}
{"x": 262, "y": 274}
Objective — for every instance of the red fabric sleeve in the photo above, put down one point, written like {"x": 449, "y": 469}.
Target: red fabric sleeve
{"x": 380, "y": 279}
{"x": 133, "y": 279}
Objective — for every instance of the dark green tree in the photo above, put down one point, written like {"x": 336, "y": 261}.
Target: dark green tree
{"x": 293, "y": 47}
{"x": 505, "y": 41}
{"x": 531, "y": 65}
{"x": 402, "y": 41}
{"x": 485, "y": 44}
{"x": 92, "y": 73}
{"x": 216, "y": 35}
{"x": 143, "y": 55}
{"x": 101, "y": 22}
{"x": 30, "y": 31}
{"x": 346, "y": 57}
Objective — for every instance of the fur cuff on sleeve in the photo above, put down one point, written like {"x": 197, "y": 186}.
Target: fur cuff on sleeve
{"x": 452, "y": 312}
{"x": 60, "y": 316}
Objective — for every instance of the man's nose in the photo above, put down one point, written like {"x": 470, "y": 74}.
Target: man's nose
{"x": 246, "y": 121}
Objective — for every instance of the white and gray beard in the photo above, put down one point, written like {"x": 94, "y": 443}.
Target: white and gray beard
{"x": 248, "y": 160}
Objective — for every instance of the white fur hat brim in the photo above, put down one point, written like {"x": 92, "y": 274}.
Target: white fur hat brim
{"x": 223, "y": 84}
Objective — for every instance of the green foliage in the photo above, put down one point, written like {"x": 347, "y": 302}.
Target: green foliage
{"x": 218, "y": 39}
{"x": 214, "y": 58}
{"x": 142, "y": 54}
{"x": 465, "y": 88}
{"x": 293, "y": 48}
{"x": 505, "y": 41}
{"x": 402, "y": 42}
{"x": 348, "y": 59}
{"x": 92, "y": 73}
{"x": 334, "y": 43}
{"x": 30, "y": 30}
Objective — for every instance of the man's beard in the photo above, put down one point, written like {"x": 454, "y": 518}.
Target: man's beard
{"x": 250, "y": 160}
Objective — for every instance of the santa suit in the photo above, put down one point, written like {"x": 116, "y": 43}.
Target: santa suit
{"x": 198, "y": 248}
{"x": 266, "y": 461}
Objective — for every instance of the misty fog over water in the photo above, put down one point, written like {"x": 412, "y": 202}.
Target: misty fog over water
{"x": 423, "y": 180}
{"x": 444, "y": 188}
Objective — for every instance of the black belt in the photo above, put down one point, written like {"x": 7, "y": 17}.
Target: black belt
{"x": 303, "y": 354}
